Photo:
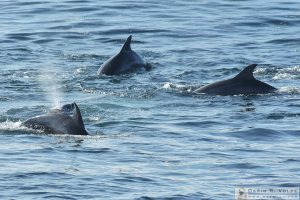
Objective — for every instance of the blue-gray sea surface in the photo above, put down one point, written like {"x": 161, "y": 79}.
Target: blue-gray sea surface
{"x": 150, "y": 136}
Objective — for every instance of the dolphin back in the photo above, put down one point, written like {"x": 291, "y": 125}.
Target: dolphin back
{"x": 125, "y": 61}
{"x": 243, "y": 83}
{"x": 48, "y": 123}
{"x": 58, "y": 122}
{"x": 126, "y": 45}
{"x": 78, "y": 119}
{"x": 246, "y": 73}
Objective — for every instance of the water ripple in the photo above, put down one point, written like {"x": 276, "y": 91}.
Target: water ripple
{"x": 151, "y": 138}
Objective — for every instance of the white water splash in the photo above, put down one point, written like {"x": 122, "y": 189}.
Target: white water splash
{"x": 291, "y": 90}
{"x": 288, "y": 73}
{"x": 50, "y": 84}
{"x": 11, "y": 126}
{"x": 180, "y": 87}
{"x": 169, "y": 85}
{"x": 280, "y": 74}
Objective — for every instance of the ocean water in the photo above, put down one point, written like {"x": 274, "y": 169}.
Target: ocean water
{"x": 150, "y": 136}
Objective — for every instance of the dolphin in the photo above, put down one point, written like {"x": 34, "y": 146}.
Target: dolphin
{"x": 67, "y": 108}
{"x": 243, "y": 83}
{"x": 58, "y": 121}
{"x": 125, "y": 61}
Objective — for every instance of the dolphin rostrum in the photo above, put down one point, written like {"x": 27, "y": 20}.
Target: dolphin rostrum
{"x": 125, "y": 61}
{"x": 243, "y": 83}
{"x": 58, "y": 121}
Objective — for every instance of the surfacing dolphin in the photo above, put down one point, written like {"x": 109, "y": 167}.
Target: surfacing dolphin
{"x": 243, "y": 83}
{"x": 125, "y": 61}
{"x": 58, "y": 121}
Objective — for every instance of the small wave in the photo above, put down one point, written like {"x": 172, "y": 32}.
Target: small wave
{"x": 290, "y": 41}
{"x": 280, "y": 76}
{"x": 79, "y": 9}
{"x": 288, "y": 73}
{"x": 179, "y": 87}
{"x": 133, "y": 91}
{"x": 20, "y": 36}
{"x": 281, "y": 115}
{"x": 289, "y": 90}
{"x": 30, "y": 175}
{"x": 60, "y": 27}
{"x": 239, "y": 166}
{"x": 30, "y": 3}
{"x": 197, "y": 195}
{"x": 291, "y": 160}
{"x": 279, "y": 73}
{"x": 258, "y": 134}
{"x": 90, "y": 150}
{"x": 43, "y": 41}
{"x": 135, "y": 31}
{"x": 5, "y": 98}
{"x": 11, "y": 126}
{"x": 128, "y": 179}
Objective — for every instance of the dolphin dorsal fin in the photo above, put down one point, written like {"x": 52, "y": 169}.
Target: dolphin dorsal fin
{"x": 77, "y": 116}
{"x": 247, "y": 73}
{"x": 126, "y": 45}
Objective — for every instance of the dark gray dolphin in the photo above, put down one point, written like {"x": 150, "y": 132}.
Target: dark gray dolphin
{"x": 125, "y": 61}
{"x": 67, "y": 108}
{"x": 243, "y": 83}
{"x": 59, "y": 122}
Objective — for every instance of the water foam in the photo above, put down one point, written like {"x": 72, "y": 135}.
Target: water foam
{"x": 11, "y": 126}
{"x": 288, "y": 73}
{"x": 290, "y": 90}
{"x": 180, "y": 87}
